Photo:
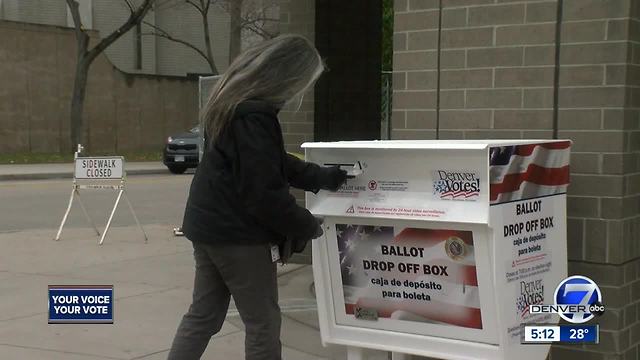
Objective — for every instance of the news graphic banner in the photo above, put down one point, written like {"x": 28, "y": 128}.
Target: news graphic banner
{"x": 99, "y": 168}
{"x": 85, "y": 304}
{"x": 409, "y": 274}
{"x": 577, "y": 299}
{"x": 570, "y": 334}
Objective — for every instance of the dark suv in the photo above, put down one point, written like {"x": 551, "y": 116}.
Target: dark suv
{"x": 181, "y": 151}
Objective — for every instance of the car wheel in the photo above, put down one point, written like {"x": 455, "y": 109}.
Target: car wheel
{"x": 177, "y": 169}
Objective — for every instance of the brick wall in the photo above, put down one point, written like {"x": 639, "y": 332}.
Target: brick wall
{"x": 123, "y": 112}
{"x": 497, "y": 65}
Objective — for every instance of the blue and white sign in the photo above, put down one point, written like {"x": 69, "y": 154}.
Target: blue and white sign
{"x": 86, "y": 304}
{"x": 578, "y": 299}
{"x": 547, "y": 333}
{"x": 582, "y": 291}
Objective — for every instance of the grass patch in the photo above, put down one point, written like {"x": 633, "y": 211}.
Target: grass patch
{"x": 49, "y": 158}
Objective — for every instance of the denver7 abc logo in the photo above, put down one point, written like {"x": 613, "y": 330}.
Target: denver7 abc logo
{"x": 578, "y": 299}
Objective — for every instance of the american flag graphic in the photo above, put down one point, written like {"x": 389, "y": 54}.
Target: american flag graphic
{"x": 526, "y": 171}
{"x": 457, "y": 300}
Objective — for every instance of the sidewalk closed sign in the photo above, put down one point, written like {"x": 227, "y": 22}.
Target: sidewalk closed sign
{"x": 99, "y": 167}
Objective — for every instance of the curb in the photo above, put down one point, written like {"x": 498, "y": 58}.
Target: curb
{"x": 69, "y": 175}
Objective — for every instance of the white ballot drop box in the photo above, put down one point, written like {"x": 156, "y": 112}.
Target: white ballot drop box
{"x": 437, "y": 248}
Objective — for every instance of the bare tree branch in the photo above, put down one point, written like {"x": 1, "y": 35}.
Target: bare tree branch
{"x": 260, "y": 31}
{"x": 134, "y": 19}
{"x": 200, "y": 10}
{"x": 159, "y": 32}
{"x": 203, "y": 7}
{"x": 253, "y": 17}
{"x": 248, "y": 21}
{"x": 129, "y": 5}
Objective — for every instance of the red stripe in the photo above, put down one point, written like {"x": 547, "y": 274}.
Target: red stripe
{"x": 535, "y": 174}
{"x": 430, "y": 237}
{"x": 459, "y": 193}
{"x": 466, "y": 194}
{"x": 470, "y": 275}
{"x": 471, "y": 318}
{"x": 526, "y": 150}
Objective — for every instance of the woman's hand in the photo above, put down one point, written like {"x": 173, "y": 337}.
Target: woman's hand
{"x": 333, "y": 178}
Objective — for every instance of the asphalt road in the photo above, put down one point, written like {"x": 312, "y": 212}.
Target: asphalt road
{"x": 39, "y": 204}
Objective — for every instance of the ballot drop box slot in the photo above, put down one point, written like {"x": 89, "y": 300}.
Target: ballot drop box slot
{"x": 437, "y": 248}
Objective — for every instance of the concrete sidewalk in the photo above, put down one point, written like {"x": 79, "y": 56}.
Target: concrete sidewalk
{"x": 152, "y": 286}
{"x": 65, "y": 170}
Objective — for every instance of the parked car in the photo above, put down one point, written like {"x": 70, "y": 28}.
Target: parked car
{"x": 181, "y": 151}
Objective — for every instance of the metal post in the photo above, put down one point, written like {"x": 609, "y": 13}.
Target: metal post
{"x": 106, "y": 229}
{"x": 136, "y": 218}
{"x": 86, "y": 214}
{"x": 355, "y": 353}
{"x": 64, "y": 218}
{"x": 79, "y": 149}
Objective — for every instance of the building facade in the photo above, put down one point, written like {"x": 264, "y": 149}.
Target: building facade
{"x": 486, "y": 70}
{"x": 138, "y": 51}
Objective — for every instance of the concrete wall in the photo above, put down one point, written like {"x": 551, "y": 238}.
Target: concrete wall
{"x": 123, "y": 112}
{"x": 496, "y": 81}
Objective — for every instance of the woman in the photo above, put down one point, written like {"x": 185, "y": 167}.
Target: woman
{"x": 239, "y": 203}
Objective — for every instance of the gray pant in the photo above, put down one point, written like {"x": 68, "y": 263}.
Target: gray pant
{"x": 245, "y": 272}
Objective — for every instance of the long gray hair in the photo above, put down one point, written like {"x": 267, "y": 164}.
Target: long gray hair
{"x": 275, "y": 71}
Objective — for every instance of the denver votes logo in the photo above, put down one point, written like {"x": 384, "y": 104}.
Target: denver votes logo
{"x": 456, "y": 185}
{"x": 530, "y": 292}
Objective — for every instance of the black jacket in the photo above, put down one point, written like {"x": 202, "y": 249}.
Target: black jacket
{"x": 240, "y": 192}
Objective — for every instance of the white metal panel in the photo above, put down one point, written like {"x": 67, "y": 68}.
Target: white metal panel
{"x": 422, "y": 144}
{"x": 487, "y": 334}
{"x": 527, "y": 265}
{"x": 412, "y": 164}
{"x": 405, "y": 183}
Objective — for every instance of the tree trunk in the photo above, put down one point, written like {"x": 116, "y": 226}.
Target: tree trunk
{"x": 79, "y": 91}
{"x": 77, "y": 103}
{"x": 85, "y": 57}
{"x": 235, "y": 36}
{"x": 207, "y": 42}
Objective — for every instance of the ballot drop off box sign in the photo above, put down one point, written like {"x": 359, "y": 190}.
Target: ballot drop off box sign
{"x": 438, "y": 248}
